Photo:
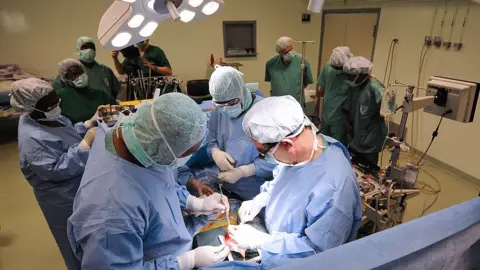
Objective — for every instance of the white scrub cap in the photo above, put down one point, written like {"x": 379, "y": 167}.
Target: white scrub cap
{"x": 226, "y": 83}
{"x": 358, "y": 65}
{"x": 180, "y": 120}
{"x": 66, "y": 64}
{"x": 340, "y": 56}
{"x": 26, "y": 93}
{"x": 283, "y": 43}
{"x": 273, "y": 119}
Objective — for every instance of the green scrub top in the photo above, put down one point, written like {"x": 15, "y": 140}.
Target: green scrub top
{"x": 99, "y": 77}
{"x": 285, "y": 80}
{"x": 154, "y": 55}
{"x": 334, "y": 83}
{"x": 79, "y": 105}
{"x": 363, "y": 105}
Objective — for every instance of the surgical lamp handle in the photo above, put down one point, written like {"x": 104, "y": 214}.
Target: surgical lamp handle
{"x": 172, "y": 9}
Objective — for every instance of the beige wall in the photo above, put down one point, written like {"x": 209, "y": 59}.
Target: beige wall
{"x": 55, "y": 25}
{"x": 457, "y": 143}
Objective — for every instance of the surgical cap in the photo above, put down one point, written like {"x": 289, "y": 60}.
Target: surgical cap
{"x": 283, "y": 43}
{"x": 273, "y": 119}
{"x": 358, "y": 65}
{"x": 180, "y": 120}
{"x": 65, "y": 65}
{"x": 226, "y": 83}
{"x": 26, "y": 93}
{"x": 340, "y": 56}
{"x": 83, "y": 40}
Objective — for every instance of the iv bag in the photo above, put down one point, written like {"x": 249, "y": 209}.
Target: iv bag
{"x": 389, "y": 102}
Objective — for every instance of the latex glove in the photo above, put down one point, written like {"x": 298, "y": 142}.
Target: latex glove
{"x": 233, "y": 175}
{"x": 88, "y": 139}
{"x": 248, "y": 211}
{"x": 200, "y": 187}
{"x": 248, "y": 237}
{"x": 215, "y": 203}
{"x": 92, "y": 122}
{"x": 223, "y": 160}
{"x": 203, "y": 256}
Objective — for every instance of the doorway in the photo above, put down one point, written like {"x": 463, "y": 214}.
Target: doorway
{"x": 355, "y": 28}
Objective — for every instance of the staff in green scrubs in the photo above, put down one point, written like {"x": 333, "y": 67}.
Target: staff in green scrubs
{"x": 333, "y": 88}
{"x": 283, "y": 70}
{"x": 152, "y": 59}
{"x": 363, "y": 107}
{"x": 100, "y": 77}
{"x": 79, "y": 102}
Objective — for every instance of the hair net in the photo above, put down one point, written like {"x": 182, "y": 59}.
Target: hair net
{"x": 65, "y": 65}
{"x": 339, "y": 56}
{"x": 226, "y": 83}
{"x": 358, "y": 65}
{"x": 180, "y": 120}
{"x": 26, "y": 93}
{"x": 274, "y": 118}
{"x": 283, "y": 43}
{"x": 83, "y": 40}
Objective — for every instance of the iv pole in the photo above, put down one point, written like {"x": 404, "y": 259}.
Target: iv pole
{"x": 302, "y": 74}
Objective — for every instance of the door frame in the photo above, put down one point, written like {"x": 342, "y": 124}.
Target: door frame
{"x": 347, "y": 11}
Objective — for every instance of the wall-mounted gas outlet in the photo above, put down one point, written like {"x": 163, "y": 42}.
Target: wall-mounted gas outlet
{"x": 428, "y": 41}
{"x": 437, "y": 41}
{"x": 447, "y": 45}
{"x": 458, "y": 46}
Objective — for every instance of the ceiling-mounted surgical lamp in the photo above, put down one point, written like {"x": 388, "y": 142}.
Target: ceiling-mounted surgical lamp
{"x": 127, "y": 22}
{"x": 316, "y": 5}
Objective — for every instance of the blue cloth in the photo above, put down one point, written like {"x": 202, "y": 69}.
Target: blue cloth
{"x": 53, "y": 164}
{"x": 447, "y": 239}
{"x": 311, "y": 208}
{"x": 227, "y": 134}
{"x": 126, "y": 216}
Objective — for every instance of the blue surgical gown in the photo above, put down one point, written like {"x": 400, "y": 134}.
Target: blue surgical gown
{"x": 311, "y": 208}
{"x": 227, "y": 134}
{"x": 53, "y": 164}
{"x": 126, "y": 216}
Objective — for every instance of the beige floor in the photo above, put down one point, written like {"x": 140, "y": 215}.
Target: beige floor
{"x": 26, "y": 242}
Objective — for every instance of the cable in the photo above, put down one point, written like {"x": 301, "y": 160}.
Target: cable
{"x": 434, "y": 135}
{"x": 424, "y": 210}
{"x": 465, "y": 23}
{"x": 393, "y": 59}
{"x": 388, "y": 60}
{"x": 399, "y": 107}
{"x": 453, "y": 22}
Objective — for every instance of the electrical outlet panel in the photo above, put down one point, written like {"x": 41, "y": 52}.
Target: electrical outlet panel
{"x": 428, "y": 41}
{"x": 437, "y": 41}
{"x": 447, "y": 45}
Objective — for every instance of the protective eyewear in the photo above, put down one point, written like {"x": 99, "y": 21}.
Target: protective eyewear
{"x": 228, "y": 103}
{"x": 269, "y": 146}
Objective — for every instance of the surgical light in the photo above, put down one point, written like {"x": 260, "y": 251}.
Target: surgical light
{"x": 148, "y": 29}
{"x": 195, "y": 3}
{"x": 136, "y": 21}
{"x": 121, "y": 40}
{"x": 116, "y": 32}
{"x": 210, "y": 8}
{"x": 187, "y": 15}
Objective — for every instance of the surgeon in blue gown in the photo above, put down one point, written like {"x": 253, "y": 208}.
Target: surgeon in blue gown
{"x": 53, "y": 155}
{"x": 313, "y": 204}
{"x": 236, "y": 159}
{"x": 128, "y": 209}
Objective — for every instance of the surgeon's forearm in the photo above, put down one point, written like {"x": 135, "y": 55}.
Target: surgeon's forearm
{"x": 320, "y": 92}
{"x": 118, "y": 66}
{"x": 164, "y": 71}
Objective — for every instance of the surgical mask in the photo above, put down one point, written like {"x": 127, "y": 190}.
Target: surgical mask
{"x": 141, "y": 45}
{"x": 81, "y": 82}
{"x": 270, "y": 158}
{"x": 51, "y": 115}
{"x": 182, "y": 161}
{"x": 353, "y": 83}
{"x": 232, "y": 111}
{"x": 87, "y": 56}
{"x": 314, "y": 149}
{"x": 288, "y": 57}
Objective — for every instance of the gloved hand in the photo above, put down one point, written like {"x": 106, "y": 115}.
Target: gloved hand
{"x": 223, "y": 160}
{"x": 248, "y": 237}
{"x": 88, "y": 139}
{"x": 248, "y": 211}
{"x": 92, "y": 122}
{"x": 203, "y": 256}
{"x": 215, "y": 203}
{"x": 233, "y": 175}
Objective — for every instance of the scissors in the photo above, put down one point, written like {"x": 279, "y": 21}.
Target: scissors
{"x": 226, "y": 210}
